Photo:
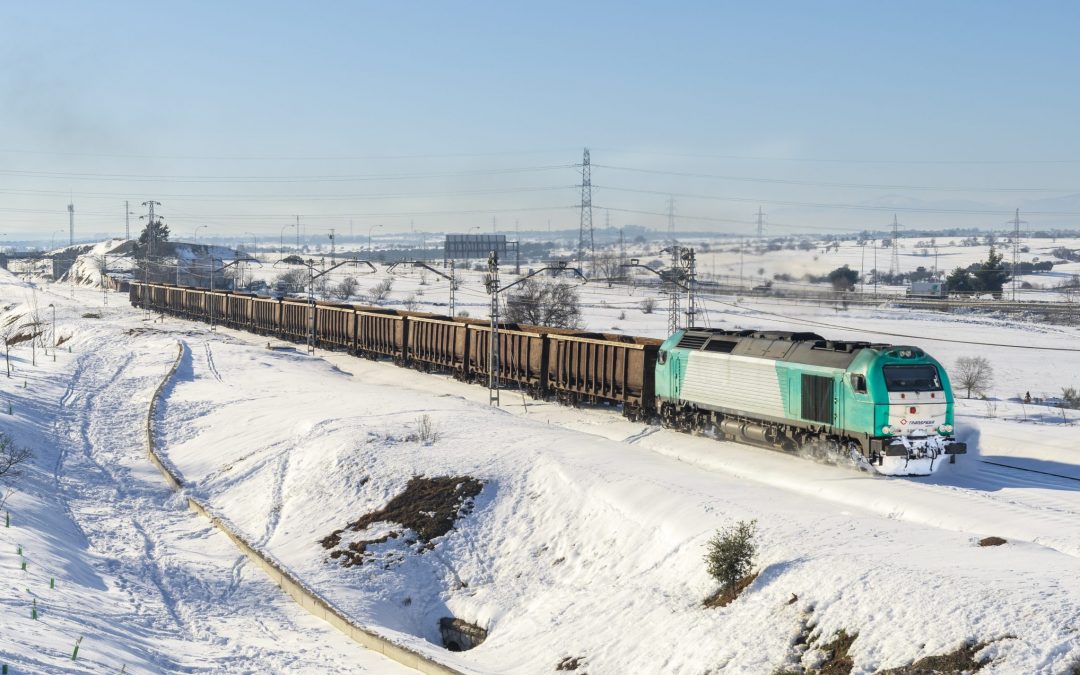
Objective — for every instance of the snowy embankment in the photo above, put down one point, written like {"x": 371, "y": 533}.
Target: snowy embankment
{"x": 585, "y": 541}
{"x": 587, "y": 537}
{"x": 112, "y": 557}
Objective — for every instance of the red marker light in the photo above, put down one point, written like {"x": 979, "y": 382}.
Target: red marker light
{"x": 912, "y": 410}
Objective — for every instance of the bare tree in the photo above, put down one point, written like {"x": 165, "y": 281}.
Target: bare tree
{"x": 543, "y": 304}
{"x": 347, "y": 288}
{"x": 609, "y": 268}
{"x": 11, "y": 457}
{"x": 648, "y": 305}
{"x": 973, "y": 373}
{"x": 380, "y": 290}
{"x": 293, "y": 280}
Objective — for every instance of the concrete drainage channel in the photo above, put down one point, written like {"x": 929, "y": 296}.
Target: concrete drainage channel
{"x": 455, "y": 633}
{"x": 460, "y": 636}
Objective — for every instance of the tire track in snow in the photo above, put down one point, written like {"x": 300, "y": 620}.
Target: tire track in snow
{"x": 210, "y": 362}
{"x": 105, "y": 501}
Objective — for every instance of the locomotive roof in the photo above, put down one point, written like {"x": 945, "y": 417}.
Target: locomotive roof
{"x": 796, "y": 347}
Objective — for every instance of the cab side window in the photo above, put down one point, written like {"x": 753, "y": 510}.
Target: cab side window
{"x": 858, "y": 384}
{"x": 661, "y": 358}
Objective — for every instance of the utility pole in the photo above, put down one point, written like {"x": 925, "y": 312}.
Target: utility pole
{"x": 673, "y": 295}
{"x": 760, "y": 225}
{"x": 127, "y": 221}
{"x": 873, "y": 242}
{"x": 585, "y": 229}
{"x": 493, "y": 347}
{"x": 333, "y": 249}
{"x": 671, "y": 220}
{"x": 298, "y": 235}
{"x": 862, "y": 264}
{"x": 453, "y": 290}
{"x": 691, "y": 300}
{"x": 894, "y": 262}
{"x": 71, "y": 224}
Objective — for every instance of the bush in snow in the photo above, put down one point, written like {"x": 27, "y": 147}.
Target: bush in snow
{"x": 347, "y": 288}
{"x": 730, "y": 554}
{"x": 380, "y": 290}
{"x": 425, "y": 430}
{"x": 1070, "y": 398}
{"x": 648, "y": 305}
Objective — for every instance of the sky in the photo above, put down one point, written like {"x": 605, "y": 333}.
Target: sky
{"x": 454, "y": 117}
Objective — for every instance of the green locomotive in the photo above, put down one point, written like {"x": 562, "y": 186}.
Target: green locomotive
{"x": 887, "y": 406}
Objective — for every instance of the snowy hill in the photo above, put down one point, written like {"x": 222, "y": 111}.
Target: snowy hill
{"x": 583, "y": 544}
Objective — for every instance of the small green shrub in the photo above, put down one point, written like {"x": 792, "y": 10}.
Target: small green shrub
{"x": 730, "y": 554}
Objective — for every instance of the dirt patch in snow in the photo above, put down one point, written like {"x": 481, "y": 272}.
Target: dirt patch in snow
{"x": 962, "y": 660}
{"x": 428, "y": 507}
{"x": 992, "y": 541}
{"x": 837, "y": 661}
{"x": 570, "y": 663}
{"x": 725, "y": 596}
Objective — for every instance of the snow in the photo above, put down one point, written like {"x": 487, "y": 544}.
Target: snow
{"x": 586, "y": 541}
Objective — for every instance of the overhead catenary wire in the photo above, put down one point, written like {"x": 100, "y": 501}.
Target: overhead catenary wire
{"x": 906, "y": 336}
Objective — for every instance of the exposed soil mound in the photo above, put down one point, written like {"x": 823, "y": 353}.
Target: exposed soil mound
{"x": 954, "y": 663}
{"x": 428, "y": 507}
{"x": 992, "y": 541}
{"x": 837, "y": 661}
{"x": 725, "y": 596}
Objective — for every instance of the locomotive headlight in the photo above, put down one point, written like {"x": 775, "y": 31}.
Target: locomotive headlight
{"x": 887, "y": 430}
{"x": 945, "y": 428}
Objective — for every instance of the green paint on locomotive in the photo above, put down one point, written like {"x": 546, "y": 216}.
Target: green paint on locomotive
{"x": 861, "y": 406}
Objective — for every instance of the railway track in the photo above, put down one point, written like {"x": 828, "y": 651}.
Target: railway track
{"x": 1018, "y": 468}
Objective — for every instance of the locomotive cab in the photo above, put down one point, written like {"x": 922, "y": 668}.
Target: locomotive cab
{"x": 912, "y": 407}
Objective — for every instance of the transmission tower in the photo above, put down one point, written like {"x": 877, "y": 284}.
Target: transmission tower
{"x": 760, "y": 224}
{"x": 586, "y": 228}
{"x": 673, "y": 292}
{"x": 1016, "y": 251}
{"x": 671, "y": 220}
{"x": 894, "y": 261}
{"x": 71, "y": 225}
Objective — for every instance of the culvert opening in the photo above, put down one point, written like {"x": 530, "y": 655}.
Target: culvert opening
{"x": 459, "y": 635}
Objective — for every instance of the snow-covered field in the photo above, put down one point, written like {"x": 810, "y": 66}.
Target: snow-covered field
{"x": 586, "y": 540}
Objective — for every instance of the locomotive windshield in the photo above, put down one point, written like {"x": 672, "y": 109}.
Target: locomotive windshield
{"x": 912, "y": 378}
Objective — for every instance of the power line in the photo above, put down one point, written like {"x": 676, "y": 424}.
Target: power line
{"x": 867, "y": 186}
{"x": 281, "y": 179}
{"x": 828, "y": 205}
{"x": 835, "y": 160}
{"x": 302, "y": 197}
{"x": 823, "y": 324}
{"x": 319, "y": 158}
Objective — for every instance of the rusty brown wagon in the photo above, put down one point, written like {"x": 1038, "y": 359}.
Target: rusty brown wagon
{"x": 604, "y": 368}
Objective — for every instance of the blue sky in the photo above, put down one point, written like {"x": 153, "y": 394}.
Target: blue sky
{"x": 443, "y": 116}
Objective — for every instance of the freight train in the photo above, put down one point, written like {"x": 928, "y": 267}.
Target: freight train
{"x": 887, "y": 407}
